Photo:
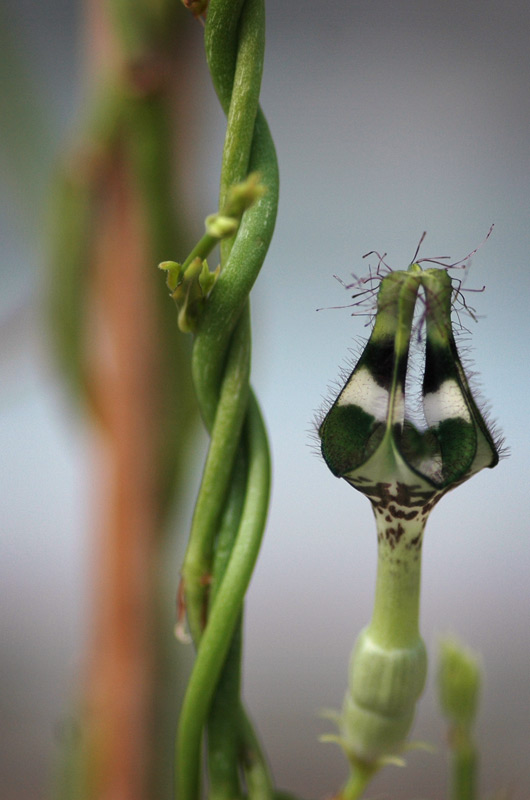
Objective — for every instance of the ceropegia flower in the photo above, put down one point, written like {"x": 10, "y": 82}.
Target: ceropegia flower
{"x": 404, "y": 468}
{"x": 366, "y": 436}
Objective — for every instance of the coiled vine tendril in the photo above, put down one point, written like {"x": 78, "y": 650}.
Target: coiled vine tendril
{"x": 231, "y": 508}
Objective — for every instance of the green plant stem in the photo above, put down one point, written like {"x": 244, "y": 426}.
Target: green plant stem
{"x": 240, "y": 99}
{"x": 225, "y": 436}
{"x": 257, "y": 773}
{"x": 236, "y": 279}
{"x": 223, "y": 617}
{"x": 357, "y": 783}
{"x": 243, "y": 107}
{"x": 224, "y": 716}
{"x": 395, "y": 616}
{"x": 231, "y": 737}
{"x": 225, "y": 539}
{"x": 223, "y": 737}
{"x": 388, "y": 664}
{"x": 241, "y": 258}
{"x": 464, "y": 761}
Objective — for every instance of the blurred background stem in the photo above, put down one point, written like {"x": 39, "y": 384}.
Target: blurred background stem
{"x": 113, "y": 322}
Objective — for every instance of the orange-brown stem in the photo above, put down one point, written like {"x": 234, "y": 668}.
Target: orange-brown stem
{"x": 121, "y": 366}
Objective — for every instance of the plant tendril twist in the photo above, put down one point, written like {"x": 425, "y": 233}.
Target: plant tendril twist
{"x": 233, "y": 498}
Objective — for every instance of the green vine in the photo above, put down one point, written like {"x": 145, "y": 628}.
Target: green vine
{"x": 231, "y": 509}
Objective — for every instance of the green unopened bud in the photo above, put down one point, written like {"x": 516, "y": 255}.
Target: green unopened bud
{"x": 207, "y": 279}
{"x": 243, "y": 195}
{"x": 459, "y": 682}
{"x": 240, "y": 196}
{"x": 189, "y": 287}
{"x": 220, "y": 226}
{"x": 174, "y": 273}
{"x": 190, "y": 283}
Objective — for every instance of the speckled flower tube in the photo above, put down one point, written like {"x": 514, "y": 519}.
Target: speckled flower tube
{"x": 404, "y": 470}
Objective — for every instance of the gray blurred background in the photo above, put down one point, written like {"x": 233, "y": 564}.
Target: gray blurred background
{"x": 390, "y": 118}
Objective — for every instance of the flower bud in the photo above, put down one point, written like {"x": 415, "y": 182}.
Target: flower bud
{"x": 458, "y": 683}
{"x": 189, "y": 287}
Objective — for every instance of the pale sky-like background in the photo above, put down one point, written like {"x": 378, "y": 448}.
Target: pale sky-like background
{"x": 390, "y": 118}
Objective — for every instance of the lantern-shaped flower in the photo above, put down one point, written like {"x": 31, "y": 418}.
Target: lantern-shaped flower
{"x": 367, "y": 439}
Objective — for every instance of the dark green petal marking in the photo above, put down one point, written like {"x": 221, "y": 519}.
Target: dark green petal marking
{"x": 345, "y": 437}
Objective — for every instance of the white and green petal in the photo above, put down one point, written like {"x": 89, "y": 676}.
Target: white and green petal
{"x": 466, "y": 445}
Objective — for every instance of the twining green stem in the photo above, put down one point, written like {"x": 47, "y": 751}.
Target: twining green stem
{"x": 243, "y": 106}
{"x": 233, "y": 49}
{"x": 231, "y": 738}
{"x": 222, "y": 620}
{"x": 257, "y": 774}
{"x": 225, "y": 436}
{"x": 237, "y": 277}
{"x": 232, "y": 504}
{"x": 223, "y": 734}
{"x": 223, "y": 731}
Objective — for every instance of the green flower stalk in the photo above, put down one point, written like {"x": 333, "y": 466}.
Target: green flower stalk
{"x": 368, "y": 439}
{"x": 459, "y": 682}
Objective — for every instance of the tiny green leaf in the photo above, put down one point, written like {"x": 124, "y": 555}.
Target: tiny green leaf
{"x": 174, "y": 271}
